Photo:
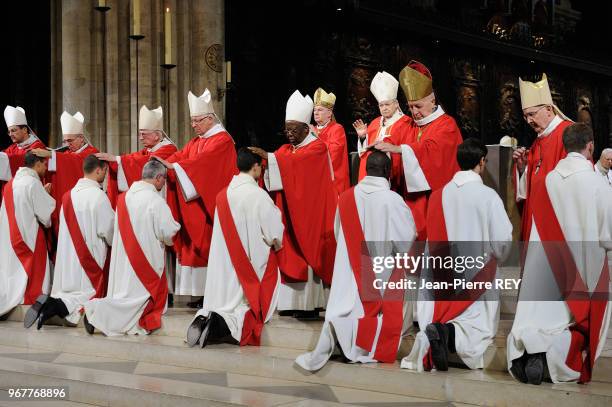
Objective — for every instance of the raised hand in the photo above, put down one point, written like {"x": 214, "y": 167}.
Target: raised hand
{"x": 41, "y": 152}
{"x": 168, "y": 165}
{"x": 387, "y": 147}
{"x": 360, "y": 128}
{"x": 259, "y": 151}
{"x": 106, "y": 157}
{"x": 520, "y": 158}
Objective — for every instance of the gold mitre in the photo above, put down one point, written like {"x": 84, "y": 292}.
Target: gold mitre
{"x": 415, "y": 80}
{"x": 322, "y": 98}
{"x": 537, "y": 94}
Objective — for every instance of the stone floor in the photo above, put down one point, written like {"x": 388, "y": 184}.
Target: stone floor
{"x": 160, "y": 370}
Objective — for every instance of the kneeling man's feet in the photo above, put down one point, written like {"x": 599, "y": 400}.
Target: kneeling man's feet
{"x": 437, "y": 334}
{"x": 194, "y": 332}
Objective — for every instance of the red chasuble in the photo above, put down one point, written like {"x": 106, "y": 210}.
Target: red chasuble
{"x": 334, "y": 137}
{"x": 435, "y": 147}
{"x": 210, "y": 164}
{"x": 34, "y": 262}
{"x": 258, "y": 293}
{"x": 68, "y": 170}
{"x": 308, "y": 205}
{"x": 97, "y": 275}
{"x": 156, "y": 285}
{"x": 16, "y": 156}
{"x": 542, "y": 158}
{"x": 132, "y": 165}
{"x": 390, "y": 307}
{"x": 395, "y": 131}
{"x": 587, "y": 308}
{"x": 449, "y": 305}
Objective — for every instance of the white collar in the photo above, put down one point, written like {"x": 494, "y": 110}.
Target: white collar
{"x": 324, "y": 125}
{"x": 28, "y": 141}
{"x": 163, "y": 142}
{"x": 26, "y": 172}
{"x": 371, "y": 184}
{"x": 573, "y": 163}
{"x": 391, "y": 120}
{"x": 463, "y": 177}
{"x": 143, "y": 185}
{"x": 433, "y": 116}
{"x": 84, "y": 183}
{"x": 309, "y": 139}
{"x": 241, "y": 179}
{"x": 551, "y": 126}
{"x": 217, "y": 128}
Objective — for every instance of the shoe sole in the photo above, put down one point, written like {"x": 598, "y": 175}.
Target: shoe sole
{"x": 534, "y": 374}
{"x": 34, "y": 312}
{"x": 193, "y": 334}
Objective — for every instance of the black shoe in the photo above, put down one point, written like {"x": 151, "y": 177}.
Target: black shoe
{"x": 170, "y": 301}
{"x": 306, "y": 315}
{"x": 518, "y": 368}
{"x": 286, "y": 313}
{"x": 197, "y": 304}
{"x": 534, "y": 368}
{"x": 34, "y": 311}
{"x": 438, "y": 340}
{"x": 194, "y": 332}
{"x": 88, "y": 327}
{"x": 53, "y": 307}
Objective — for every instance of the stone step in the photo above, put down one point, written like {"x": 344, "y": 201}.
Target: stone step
{"x": 456, "y": 385}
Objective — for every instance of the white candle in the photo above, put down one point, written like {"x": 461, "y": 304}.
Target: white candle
{"x": 136, "y": 17}
{"x": 168, "y": 37}
{"x": 228, "y": 72}
{"x": 101, "y": 3}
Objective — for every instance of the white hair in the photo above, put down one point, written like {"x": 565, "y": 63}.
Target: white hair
{"x": 152, "y": 169}
{"x": 606, "y": 151}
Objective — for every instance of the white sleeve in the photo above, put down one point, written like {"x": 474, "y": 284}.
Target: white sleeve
{"x": 5, "y": 167}
{"x": 362, "y": 145}
{"x": 272, "y": 177}
{"x": 415, "y": 178}
{"x": 189, "y": 191}
{"x": 271, "y": 221}
{"x": 165, "y": 226}
{"x": 500, "y": 229}
{"x": 121, "y": 180}
{"x": 521, "y": 184}
{"x": 43, "y": 204}
{"x": 52, "y": 165}
{"x": 106, "y": 220}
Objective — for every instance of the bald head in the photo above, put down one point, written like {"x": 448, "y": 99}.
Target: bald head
{"x": 378, "y": 165}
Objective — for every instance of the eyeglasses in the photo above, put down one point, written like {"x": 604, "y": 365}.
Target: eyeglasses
{"x": 531, "y": 115}
{"x": 198, "y": 121}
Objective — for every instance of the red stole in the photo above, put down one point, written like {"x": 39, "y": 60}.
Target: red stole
{"x": 68, "y": 170}
{"x": 34, "y": 263}
{"x": 449, "y": 305}
{"x": 543, "y": 156}
{"x": 391, "y": 306}
{"x": 96, "y": 274}
{"x": 588, "y": 311}
{"x": 156, "y": 285}
{"x": 259, "y": 293}
{"x": 308, "y": 204}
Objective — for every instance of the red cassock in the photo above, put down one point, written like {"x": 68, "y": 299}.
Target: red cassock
{"x": 16, "y": 156}
{"x": 542, "y": 158}
{"x": 210, "y": 164}
{"x": 68, "y": 170}
{"x": 435, "y": 148}
{"x": 132, "y": 165}
{"x": 401, "y": 126}
{"x": 334, "y": 137}
{"x": 308, "y": 204}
